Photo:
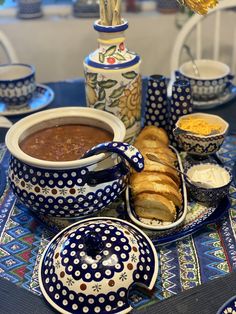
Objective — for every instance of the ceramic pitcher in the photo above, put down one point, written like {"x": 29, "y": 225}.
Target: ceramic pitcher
{"x": 113, "y": 80}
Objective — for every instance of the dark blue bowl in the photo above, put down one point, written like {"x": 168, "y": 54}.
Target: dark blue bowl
{"x": 209, "y": 196}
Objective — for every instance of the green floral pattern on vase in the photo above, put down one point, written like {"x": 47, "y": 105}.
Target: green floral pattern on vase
{"x": 119, "y": 94}
{"x": 114, "y": 54}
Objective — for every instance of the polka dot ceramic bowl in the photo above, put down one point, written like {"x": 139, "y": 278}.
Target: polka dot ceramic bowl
{"x": 90, "y": 266}
{"x": 201, "y": 145}
{"x": 69, "y": 189}
{"x": 214, "y": 78}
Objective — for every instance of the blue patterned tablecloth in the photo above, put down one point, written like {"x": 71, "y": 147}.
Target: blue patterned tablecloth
{"x": 196, "y": 259}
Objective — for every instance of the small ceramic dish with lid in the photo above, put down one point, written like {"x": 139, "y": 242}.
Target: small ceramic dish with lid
{"x": 90, "y": 266}
{"x": 218, "y": 179}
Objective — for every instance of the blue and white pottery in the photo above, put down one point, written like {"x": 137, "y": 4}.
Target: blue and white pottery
{"x": 17, "y": 84}
{"x": 228, "y": 95}
{"x": 74, "y": 188}
{"x": 29, "y": 9}
{"x": 125, "y": 150}
{"x": 156, "y": 111}
{"x": 202, "y": 145}
{"x": 209, "y": 196}
{"x": 214, "y": 78}
{"x": 90, "y": 266}
{"x": 229, "y": 307}
{"x": 181, "y": 103}
{"x": 42, "y": 97}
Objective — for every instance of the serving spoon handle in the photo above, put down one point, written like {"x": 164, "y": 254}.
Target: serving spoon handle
{"x": 197, "y": 183}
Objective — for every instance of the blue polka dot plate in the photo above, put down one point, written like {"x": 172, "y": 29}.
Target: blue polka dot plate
{"x": 154, "y": 224}
{"x": 229, "y": 307}
{"x": 43, "y": 96}
{"x": 90, "y": 266}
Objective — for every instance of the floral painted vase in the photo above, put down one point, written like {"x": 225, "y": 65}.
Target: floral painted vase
{"x": 112, "y": 77}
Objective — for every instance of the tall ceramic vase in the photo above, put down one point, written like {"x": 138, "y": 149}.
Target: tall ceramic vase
{"x": 113, "y": 80}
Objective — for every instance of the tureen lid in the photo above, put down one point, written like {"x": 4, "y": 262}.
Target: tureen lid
{"x": 89, "y": 266}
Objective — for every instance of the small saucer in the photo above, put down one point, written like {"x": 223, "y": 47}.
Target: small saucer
{"x": 44, "y": 95}
{"x": 226, "y": 97}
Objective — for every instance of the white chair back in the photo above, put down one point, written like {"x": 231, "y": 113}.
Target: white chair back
{"x": 212, "y": 36}
{"x": 8, "y": 49}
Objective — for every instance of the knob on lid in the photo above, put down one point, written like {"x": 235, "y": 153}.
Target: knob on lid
{"x": 90, "y": 266}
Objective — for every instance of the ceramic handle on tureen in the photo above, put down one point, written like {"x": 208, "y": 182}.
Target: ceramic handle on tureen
{"x": 124, "y": 150}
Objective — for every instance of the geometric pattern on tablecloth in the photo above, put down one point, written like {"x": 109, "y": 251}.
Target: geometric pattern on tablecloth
{"x": 207, "y": 254}
{"x": 31, "y": 276}
{"x": 169, "y": 272}
{"x": 21, "y": 243}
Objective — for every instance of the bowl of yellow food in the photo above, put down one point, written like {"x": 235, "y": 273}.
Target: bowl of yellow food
{"x": 200, "y": 133}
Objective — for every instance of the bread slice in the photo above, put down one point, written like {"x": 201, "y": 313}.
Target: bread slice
{"x": 170, "y": 155}
{"x": 154, "y": 206}
{"x": 150, "y": 166}
{"x": 157, "y": 177}
{"x": 160, "y": 157}
{"x": 148, "y": 144}
{"x": 154, "y": 133}
{"x": 161, "y": 189}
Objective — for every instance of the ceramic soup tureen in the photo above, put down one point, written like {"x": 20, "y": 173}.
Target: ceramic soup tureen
{"x": 90, "y": 266}
{"x": 76, "y": 188}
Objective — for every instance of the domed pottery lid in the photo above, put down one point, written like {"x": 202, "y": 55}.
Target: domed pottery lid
{"x": 90, "y": 266}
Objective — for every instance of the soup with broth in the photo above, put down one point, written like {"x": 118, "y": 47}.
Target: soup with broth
{"x": 63, "y": 142}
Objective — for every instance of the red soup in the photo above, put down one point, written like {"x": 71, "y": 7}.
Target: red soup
{"x": 64, "y": 142}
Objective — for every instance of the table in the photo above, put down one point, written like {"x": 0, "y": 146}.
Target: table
{"x": 188, "y": 263}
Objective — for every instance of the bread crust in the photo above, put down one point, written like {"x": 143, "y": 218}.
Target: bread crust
{"x": 158, "y": 177}
{"x": 154, "y": 206}
{"x": 160, "y": 189}
{"x": 153, "y": 133}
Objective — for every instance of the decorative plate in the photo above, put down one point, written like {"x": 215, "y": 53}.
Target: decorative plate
{"x": 226, "y": 97}
{"x": 197, "y": 217}
{"x": 229, "y": 307}
{"x": 154, "y": 224}
{"x": 44, "y": 95}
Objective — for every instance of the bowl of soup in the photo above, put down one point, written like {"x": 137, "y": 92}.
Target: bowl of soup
{"x": 211, "y": 83}
{"x": 46, "y": 170}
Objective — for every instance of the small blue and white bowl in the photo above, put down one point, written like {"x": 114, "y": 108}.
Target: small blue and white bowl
{"x": 214, "y": 78}
{"x": 197, "y": 144}
{"x": 17, "y": 84}
{"x": 222, "y": 178}
{"x": 70, "y": 189}
{"x": 90, "y": 266}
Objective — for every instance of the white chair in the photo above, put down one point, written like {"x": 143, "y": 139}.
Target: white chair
{"x": 212, "y": 36}
{"x": 8, "y": 49}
